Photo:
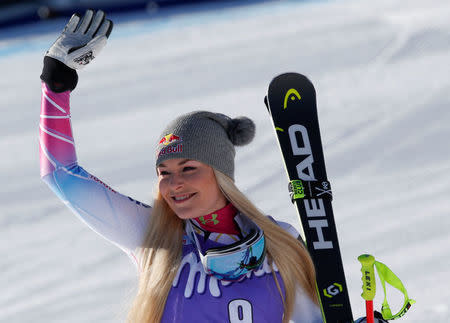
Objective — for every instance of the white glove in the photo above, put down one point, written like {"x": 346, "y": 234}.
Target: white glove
{"x": 82, "y": 39}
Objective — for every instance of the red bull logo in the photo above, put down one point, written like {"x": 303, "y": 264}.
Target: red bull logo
{"x": 171, "y": 150}
{"x": 168, "y": 139}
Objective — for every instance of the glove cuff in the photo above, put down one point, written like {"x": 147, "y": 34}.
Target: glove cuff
{"x": 58, "y": 76}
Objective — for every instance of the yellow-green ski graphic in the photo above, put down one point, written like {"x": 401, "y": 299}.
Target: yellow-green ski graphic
{"x": 288, "y": 94}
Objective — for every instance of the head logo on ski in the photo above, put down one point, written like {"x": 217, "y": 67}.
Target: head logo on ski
{"x": 294, "y": 95}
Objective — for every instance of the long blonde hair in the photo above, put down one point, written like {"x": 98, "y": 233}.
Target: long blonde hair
{"x": 160, "y": 257}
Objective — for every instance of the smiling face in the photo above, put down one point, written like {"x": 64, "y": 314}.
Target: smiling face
{"x": 189, "y": 187}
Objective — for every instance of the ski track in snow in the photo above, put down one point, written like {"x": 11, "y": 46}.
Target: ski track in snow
{"x": 381, "y": 73}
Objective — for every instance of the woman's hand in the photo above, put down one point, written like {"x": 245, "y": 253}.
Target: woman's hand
{"x": 80, "y": 42}
{"x": 82, "y": 39}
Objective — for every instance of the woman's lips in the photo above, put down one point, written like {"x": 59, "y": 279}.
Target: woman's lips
{"x": 181, "y": 198}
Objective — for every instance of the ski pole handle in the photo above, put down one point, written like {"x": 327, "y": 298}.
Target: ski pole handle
{"x": 368, "y": 276}
{"x": 369, "y": 285}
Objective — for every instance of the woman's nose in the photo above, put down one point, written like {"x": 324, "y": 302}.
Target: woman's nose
{"x": 176, "y": 180}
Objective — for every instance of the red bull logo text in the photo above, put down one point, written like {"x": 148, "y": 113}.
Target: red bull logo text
{"x": 171, "y": 150}
{"x": 168, "y": 139}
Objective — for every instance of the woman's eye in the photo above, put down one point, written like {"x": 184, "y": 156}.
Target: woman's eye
{"x": 188, "y": 168}
{"x": 163, "y": 172}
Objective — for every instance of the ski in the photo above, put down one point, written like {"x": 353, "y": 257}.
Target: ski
{"x": 291, "y": 101}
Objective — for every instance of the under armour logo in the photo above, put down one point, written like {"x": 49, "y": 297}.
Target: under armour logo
{"x": 213, "y": 219}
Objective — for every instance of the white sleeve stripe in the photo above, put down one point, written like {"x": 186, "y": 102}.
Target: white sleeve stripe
{"x": 53, "y": 102}
{"x": 44, "y": 150}
{"x": 76, "y": 175}
{"x": 55, "y": 117}
{"x": 56, "y": 136}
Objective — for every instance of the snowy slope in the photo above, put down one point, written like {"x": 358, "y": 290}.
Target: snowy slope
{"x": 381, "y": 70}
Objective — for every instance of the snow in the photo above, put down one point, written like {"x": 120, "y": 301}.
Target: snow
{"x": 381, "y": 73}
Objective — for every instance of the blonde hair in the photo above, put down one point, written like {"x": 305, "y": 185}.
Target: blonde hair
{"x": 161, "y": 256}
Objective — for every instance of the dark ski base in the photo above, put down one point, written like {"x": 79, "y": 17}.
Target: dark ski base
{"x": 291, "y": 101}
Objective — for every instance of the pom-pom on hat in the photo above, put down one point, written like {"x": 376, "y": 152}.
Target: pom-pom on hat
{"x": 207, "y": 137}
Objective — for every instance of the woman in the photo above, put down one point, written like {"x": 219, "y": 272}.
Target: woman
{"x": 205, "y": 252}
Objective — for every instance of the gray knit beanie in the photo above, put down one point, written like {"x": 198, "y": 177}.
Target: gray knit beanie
{"x": 207, "y": 137}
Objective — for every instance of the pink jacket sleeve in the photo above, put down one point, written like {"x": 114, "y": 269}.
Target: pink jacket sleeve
{"x": 118, "y": 218}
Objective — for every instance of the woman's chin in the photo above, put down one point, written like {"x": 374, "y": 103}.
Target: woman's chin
{"x": 186, "y": 214}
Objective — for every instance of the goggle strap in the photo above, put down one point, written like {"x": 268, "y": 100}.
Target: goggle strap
{"x": 387, "y": 276}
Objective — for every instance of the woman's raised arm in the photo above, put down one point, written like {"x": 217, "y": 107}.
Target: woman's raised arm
{"x": 118, "y": 218}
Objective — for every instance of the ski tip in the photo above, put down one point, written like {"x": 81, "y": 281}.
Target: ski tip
{"x": 290, "y": 80}
{"x": 294, "y": 75}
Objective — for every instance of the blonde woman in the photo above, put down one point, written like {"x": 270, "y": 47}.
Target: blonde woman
{"x": 205, "y": 253}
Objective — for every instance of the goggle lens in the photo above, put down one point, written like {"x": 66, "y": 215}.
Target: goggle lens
{"x": 232, "y": 266}
{"x": 232, "y": 262}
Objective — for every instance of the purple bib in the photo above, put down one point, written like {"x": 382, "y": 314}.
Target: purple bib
{"x": 197, "y": 297}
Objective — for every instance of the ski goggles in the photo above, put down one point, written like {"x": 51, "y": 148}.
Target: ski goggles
{"x": 233, "y": 261}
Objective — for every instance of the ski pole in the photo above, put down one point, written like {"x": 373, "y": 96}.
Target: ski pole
{"x": 369, "y": 284}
